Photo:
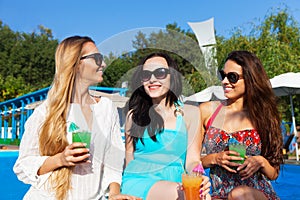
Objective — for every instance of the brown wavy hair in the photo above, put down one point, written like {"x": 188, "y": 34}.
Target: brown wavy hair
{"x": 52, "y": 139}
{"x": 260, "y": 102}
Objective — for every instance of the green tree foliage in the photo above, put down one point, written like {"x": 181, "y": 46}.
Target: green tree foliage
{"x": 276, "y": 41}
{"x": 117, "y": 71}
{"x": 180, "y": 45}
{"x": 26, "y": 60}
{"x": 12, "y": 86}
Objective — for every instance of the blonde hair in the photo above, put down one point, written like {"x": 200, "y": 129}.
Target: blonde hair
{"x": 52, "y": 139}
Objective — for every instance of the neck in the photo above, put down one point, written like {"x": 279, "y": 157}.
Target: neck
{"x": 81, "y": 94}
{"x": 237, "y": 104}
{"x": 159, "y": 101}
{"x": 161, "y": 107}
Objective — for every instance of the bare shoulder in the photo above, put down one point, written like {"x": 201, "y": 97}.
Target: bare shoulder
{"x": 191, "y": 109}
{"x": 128, "y": 122}
{"x": 129, "y": 115}
{"x": 191, "y": 112}
{"x": 207, "y": 108}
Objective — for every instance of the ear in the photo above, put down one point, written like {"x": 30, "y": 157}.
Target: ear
{"x": 79, "y": 67}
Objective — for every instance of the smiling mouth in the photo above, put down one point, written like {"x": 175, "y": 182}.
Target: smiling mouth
{"x": 100, "y": 69}
{"x": 154, "y": 87}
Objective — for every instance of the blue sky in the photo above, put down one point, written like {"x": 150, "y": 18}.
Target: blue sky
{"x": 102, "y": 19}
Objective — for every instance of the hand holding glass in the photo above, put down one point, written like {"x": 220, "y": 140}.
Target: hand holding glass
{"x": 241, "y": 149}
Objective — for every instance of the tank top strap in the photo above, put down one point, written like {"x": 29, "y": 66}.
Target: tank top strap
{"x": 178, "y": 112}
{"x": 213, "y": 116}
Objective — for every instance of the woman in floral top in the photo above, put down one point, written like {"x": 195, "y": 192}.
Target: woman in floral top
{"x": 248, "y": 116}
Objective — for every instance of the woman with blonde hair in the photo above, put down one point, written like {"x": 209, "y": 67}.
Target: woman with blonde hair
{"x": 55, "y": 167}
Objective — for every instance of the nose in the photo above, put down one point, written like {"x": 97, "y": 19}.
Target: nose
{"x": 103, "y": 64}
{"x": 152, "y": 78}
{"x": 225, "y": 80}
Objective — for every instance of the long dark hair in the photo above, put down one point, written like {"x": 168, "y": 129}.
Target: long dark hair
{"x": 140, "y": 104}
{"x": 260, "y": 102}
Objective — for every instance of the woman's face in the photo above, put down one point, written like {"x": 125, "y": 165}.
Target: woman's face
{"x": 156, "y": 77}
{"x": 233, "y": 73}
{"x": 91, "y": 65}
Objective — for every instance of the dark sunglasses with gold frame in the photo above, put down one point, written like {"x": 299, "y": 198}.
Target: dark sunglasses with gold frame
{"x": 232, "y": 77}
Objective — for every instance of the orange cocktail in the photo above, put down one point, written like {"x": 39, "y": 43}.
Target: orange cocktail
{"x": 191, "y": 186}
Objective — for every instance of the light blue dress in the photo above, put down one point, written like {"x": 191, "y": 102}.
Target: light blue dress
{"x": 156, "y": 161}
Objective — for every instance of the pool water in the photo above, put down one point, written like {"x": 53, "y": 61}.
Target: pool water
{"x": 286, "y": 186}
{"x": 10, "y": 187}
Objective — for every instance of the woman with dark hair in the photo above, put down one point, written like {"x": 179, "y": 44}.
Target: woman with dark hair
{"x": 162, "y": 134}
{"x": 249, "y": 116}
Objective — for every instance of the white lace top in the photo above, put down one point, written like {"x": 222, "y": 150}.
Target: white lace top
{"x": 89, "y": 181}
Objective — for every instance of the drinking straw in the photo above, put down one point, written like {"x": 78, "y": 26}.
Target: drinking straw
{"x": 183, "y": 167}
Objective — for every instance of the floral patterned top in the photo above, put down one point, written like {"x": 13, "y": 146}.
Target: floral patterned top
{"x": 216, "y": 140}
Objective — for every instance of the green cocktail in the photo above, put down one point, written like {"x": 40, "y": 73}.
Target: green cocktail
{"x": 241, "y": 149}
{"x": 82, "y": 136}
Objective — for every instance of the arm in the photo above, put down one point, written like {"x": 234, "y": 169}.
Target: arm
{"x": 192, "y": 119}
{"x": 205, "y": 113}
{"x": 65, "y": 158}
{"x": 29, "y": 160}
{"x": 114, "y": 193}
{"x": 256, "y": 163}
{"x": 268, "y": 170}
{"x": 129, "y": 140}
{"x": 195, "y": 138}
{"x": 114, "y": 153}
{"x": 31, "y": 167}
{"x": 114, "y": 161}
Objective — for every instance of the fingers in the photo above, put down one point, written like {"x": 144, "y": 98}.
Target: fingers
{"x": 225, "y": 159}
{"x": 247, "y": 172}
{"x": 207, "y": 197}
{"x": 77, "y": 145}
{"x": 236, "y": 158}
{"x": 248, "y": 169}
{"x": 123, "y": 196}
{"x": 205, "y": 187}
{"x": 234, "y": 153}
{"x": 229, "y": 169}
{"x": 75, "y": 153}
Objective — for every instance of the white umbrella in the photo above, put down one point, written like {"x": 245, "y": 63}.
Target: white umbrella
{"x": 207, "y": 94}
{"x": 288, "y": 84}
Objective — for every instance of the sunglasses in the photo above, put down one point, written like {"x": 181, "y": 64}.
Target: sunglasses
{"x": 232, "y": 77}
{"x": 98, "y": 57}
{"x": 159, "y": 73}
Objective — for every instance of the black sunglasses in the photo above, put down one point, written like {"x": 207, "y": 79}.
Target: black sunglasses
{"x": 232, "y": 77}
{"x": 159, "y": 73}
{"x": 98, "y": 57}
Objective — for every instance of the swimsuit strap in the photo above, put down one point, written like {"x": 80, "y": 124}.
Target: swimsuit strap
{"x": 178, "y": 108}
{"x": 213, "y": 116}
{"x": 178, "y": 112}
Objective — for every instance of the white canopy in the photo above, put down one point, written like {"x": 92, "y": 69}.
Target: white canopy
{"x": 207, "y": 94}
{"x": 288, "y": 84}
